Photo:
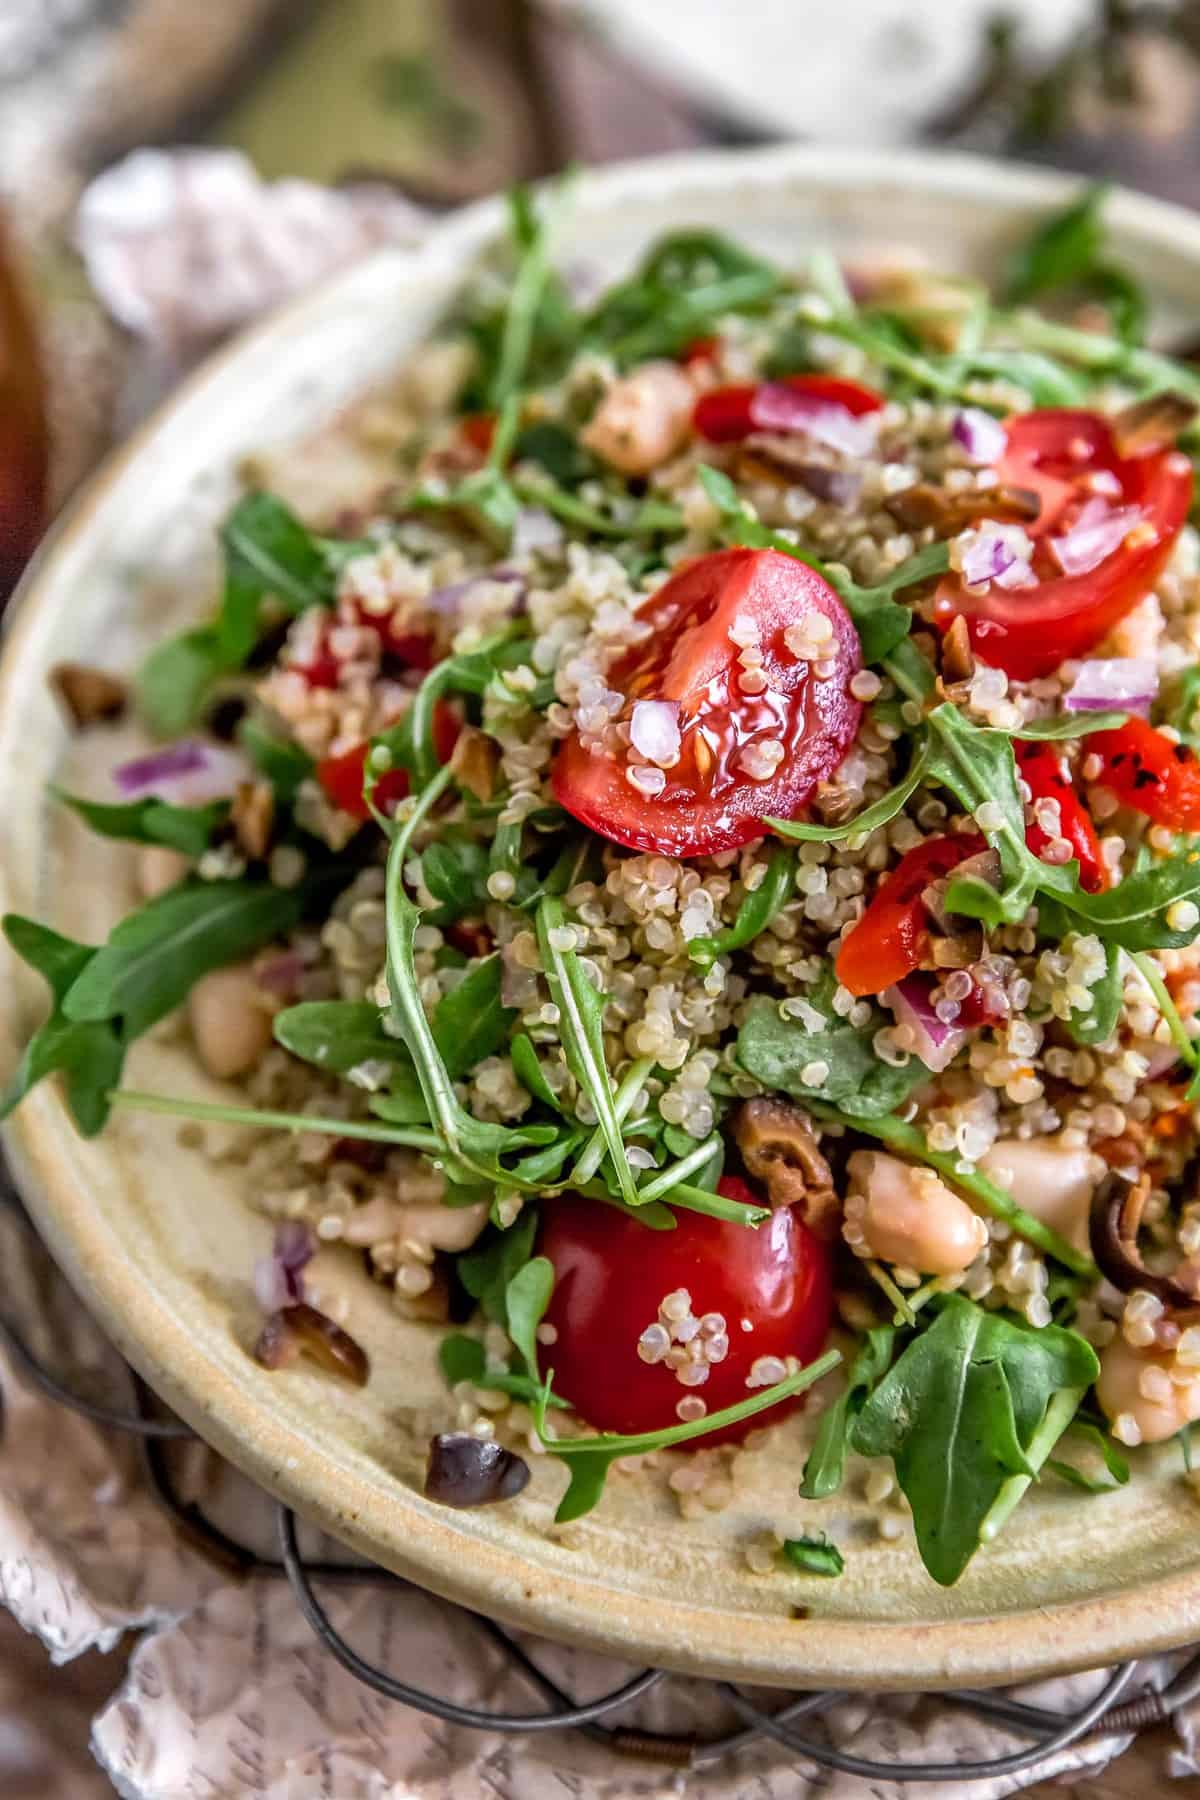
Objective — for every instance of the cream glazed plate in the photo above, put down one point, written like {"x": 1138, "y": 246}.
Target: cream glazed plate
{"x": 158, "y": 1238}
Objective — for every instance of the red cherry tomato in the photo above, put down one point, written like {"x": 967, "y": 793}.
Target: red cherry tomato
{"x": 320, "y": 668}
{"x": 700, "y": 350}
{"x": 611, "y": 1274}
{"x": 412, "y": 649}
{"x": 710, "y": 800}
{"x": 1067, "y": 459}
{"x": 727, "y": 414}
{"x": 1150, "y": 773}
{"x": 892, "y": 937}
{"x": 1044, "y": 768}
{"x": 341, "y": 777}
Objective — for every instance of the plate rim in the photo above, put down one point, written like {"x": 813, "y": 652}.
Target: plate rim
{"x": 511, "y": 1585}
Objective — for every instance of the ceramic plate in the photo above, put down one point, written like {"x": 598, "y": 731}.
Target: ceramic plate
{"x": 159, "y": 1240}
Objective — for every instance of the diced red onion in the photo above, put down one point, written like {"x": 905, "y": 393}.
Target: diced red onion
{"x": 1097, "y": 532}
{"x": 280, "y": 974}
{"x": 1114, "y": 684}
{"x": 982, "y": 437}
{"x": 935, "y": 1043}
{"x": 837, "y": 487}
{"x": 990, "y": 553}
{"x": 186, "y": 774}
{"x": 535, "y": 529}
{"x": 1159, "y": 1057}
{"x": 654, "y": 731}
{"x": 776, "y": 407}
{"x": 279, "y": 1278}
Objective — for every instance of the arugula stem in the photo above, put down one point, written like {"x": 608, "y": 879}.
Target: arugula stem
{"x": 716, "y": 1206}
{"x": 413, "y": 1138}
{"x": 1059, "y": 1413}
{"x": 693, "y": 1428}
{"x": 624, "y": 1100}
{"x": 1150, "y": 973}
{"x": 668, "y": 1179}
{"x": 521, "y": 317}
{"x": 909, "y": 1141}
{"x": 904, "y": 1312}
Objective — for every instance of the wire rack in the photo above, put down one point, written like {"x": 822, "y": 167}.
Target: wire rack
{"x": 787, "y": 1721}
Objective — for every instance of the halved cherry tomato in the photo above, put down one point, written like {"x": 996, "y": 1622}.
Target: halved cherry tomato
{"x": 413, "y": 649}
{"x": 700, "y": 350}
{"x": 773, "y": 1286}
{"x": 1044, "y": 768}
{"x": 710, "y": 799}
{"x": 341, "y": 777}
{"x": 727, "y": 414}
{"x": 1069, "y": 459}
{"x": 1150, "y": 773}
{"x": 892, "y": 937}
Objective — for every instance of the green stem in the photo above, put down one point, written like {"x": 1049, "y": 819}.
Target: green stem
{"x": 1150, "y": 973}
{"x": 693, "y": 1428}
{"x": 413, "y": 1138}
{"x": 624, "y": 1100}
{"x": 670, "y": 1178}
{"x": 1059, "y": 1413}
{"x": 910, "y": 1142}
{"x": 716, "y": 1206}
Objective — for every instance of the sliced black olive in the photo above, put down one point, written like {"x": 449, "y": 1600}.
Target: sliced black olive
{"x": 468, "y": 1471}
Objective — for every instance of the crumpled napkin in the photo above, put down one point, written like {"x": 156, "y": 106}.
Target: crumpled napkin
{"x": 227, "y": 1691}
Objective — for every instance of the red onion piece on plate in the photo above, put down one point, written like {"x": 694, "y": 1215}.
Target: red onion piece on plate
{"x": 279, "y": 1278}
{"x": 934, "y": 1042}
{"x": 982, "y": 437}
{"x": 184, "y": 774}
{"x": 1114, "y": 684}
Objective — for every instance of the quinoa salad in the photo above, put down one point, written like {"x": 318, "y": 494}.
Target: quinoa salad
{"x": 695, "y": 874}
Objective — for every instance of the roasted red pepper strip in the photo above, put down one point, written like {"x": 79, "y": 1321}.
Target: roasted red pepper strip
{"x": 892, "y": 937}
{"x": 1044, "y": 769}
{"x": 1150, "y": 773}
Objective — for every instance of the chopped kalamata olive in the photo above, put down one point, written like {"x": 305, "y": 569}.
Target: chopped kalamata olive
{"x": 468, "y": 1471}
{"x": 958, "y": 664}
{"x": 947, "y": 510}
{"x": 302, "y": 1328}
{"x": 789, "y": 462}
{"x": 224, "y": 714}
{"x": 779, "y": 1150}
{"x": 1116, "y": 1217}
{"x": 1152, "y": 423}
{"x": 89, "y": 695}
{"x": 252, "y": 817}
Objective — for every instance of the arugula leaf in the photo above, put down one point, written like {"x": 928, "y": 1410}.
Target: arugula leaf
{"x": 957, "y": 1413}
{"x": 487, "y": 1270}
{"x": 880, "y": 812}
{"x": 471, "y": 1021}
{"x": 581, "y": 1016}
{"x": 337, "y": 1035}
{"x": 525, "y": 1301}
{"x": 471, "y": 1148}
{"x": 268, "y": 552}
{"x": 654, "y": 517}
{"x": 557, "y": 450}
{"x": 778, "y": 1052}
{"x": 455, "y": 872}
{"x": 90, "y": 1056}
{"x": 528, "y": 1070}
{"x": 1116, "y": 1468}
{"x": 486, "y": 498}
{"x": 814, "y": 1556}
{"x": 1097, "y": 1025}
{"x": 157, "y": 954}
{"x": 826, "y": 1465}
{"x": 589, "y": 1459}
{"x": 278, "y": 760}
{"x": 175, "y": 677}
{"x": 1065, "y": 725}
{"x": 188, "y": 829}
{"x": 755, "y": 912}
{"x": 1061, "y": 251}
{"x": 685, "y": 283}
{"x": 1133, "y": 914}
{"x": 1184, "y": 708}
{"x": 462, "y": 1358}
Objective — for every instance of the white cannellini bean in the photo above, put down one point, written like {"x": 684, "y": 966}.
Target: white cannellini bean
{"x": 1048, "y": 1179}
{"x": 159, "y": 869}
{"x": 908, "y": 1216}
{"x": 643, "y": 418}
{"x": 441, "y": 1227}
{"x": 231, "y": 1027}
{"x": 1119, "y": 1392}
